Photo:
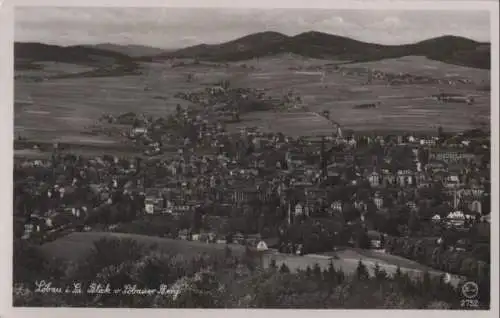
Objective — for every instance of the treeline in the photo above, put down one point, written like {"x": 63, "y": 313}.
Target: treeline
{"x": 217, "y": 281}
{"x": 472, "y": 263}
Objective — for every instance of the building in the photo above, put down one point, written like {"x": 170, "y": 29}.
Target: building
{"x": 244, "y": 194}
{"x": 137, "y": 131}
{"x": 154, "y": 201}
{"x": 298, "y": 210}
{"x": 449, "y": 155}
{"x": 337, "y": 206}
{"x": 378, "y": 201}
{"x": 374, "y": 179}
{"x": 376, "y": 239}
{"x": 456, "y": 218}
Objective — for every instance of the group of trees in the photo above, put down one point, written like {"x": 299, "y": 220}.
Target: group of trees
{"x": 220, "y": 280}
{"x": 315, "y": 288}
{"x": 472, "y": 263}
{"x": 322, "y": 235}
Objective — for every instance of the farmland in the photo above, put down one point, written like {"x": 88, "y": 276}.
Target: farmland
{"x": 64, "y": 107}
{"x": 419, "y": 65}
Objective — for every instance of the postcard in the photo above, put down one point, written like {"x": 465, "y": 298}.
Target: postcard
{"x": 302, "y": 155}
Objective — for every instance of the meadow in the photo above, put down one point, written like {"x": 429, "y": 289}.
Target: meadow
{"x": 50, "y": 109}
{"x": 78, "y": 245}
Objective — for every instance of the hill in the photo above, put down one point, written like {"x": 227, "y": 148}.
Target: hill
{"x": 25, "y": 54}
{"x": 130, "y": 50}
{"x": 449, "y": 49}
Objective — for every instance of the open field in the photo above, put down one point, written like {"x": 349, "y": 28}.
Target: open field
{"x": 293, "y": 124}
{"x": 57, "y": 107}
{"x": 422, "y": 66}
{"x": 78, "y": 245}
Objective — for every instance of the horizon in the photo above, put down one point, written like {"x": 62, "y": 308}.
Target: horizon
{"x": 176, "y": 28}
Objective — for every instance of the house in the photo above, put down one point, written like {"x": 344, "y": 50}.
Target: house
{"x": 456, "y": 218}
{"x": 376, "y": 239}
{"x": 374, "y": 179}
{"x": 337, "y": 206}
{"x": 405, "y": 177}
{"x": 184, "y": 234}
{"x": 238, "y": 238}
{"x": 261, "y": 246}
{"x": 244, "y": 194}
{"x": 428, "y": 142}
{"x": 360, "y": 205}
{"x": 452, "y": 180}
{"x": 486, "y": 218}
{"x": 221, "y": 241}
{"x": 448, "y": 155}
{"x": 412, "y": 205}
{"x": 137, "y": 131}
{"x": 436, "y": 218}
{"x": 153, "y": 204}
{"x": 378, "y": 201}
{"x": 298, "y": 210}
{"x": 388, "y": 178}
{"x": 476, "y": 206}
{"x": 207, "y": 237}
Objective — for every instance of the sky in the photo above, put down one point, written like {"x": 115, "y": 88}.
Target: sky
{"x": 171, "y": 28}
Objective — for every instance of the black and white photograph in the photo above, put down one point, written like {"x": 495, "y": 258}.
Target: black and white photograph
{"x": 253, "y": 158}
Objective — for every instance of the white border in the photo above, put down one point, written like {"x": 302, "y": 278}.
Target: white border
{"x": 6, "y": 139}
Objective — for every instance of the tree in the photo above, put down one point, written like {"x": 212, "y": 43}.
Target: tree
{"x": 398, "y": 274}
{"x": 362, "y": 239}
{"x": 308, "y": 271}
{"x": 273, "y": 265}
{"x": 227, "y": 252}
{"x": 330, "y": 272}
{"x": 362, "y": 271}
{"x": 317, "y": 271}
{"x": 426, "y": 285}
{"x": 379, "y": 273}
{"x": 284, "y": 269}
{"x": 440, "y": 133}
{"x": 413, "y": 223}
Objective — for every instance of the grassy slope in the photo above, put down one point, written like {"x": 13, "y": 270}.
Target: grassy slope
{"x": 79, "y": 244}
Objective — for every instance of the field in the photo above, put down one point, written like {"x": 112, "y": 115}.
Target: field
{"x": 420, "y": 65}
{"x": 78, "y": 245}
{"x": 64, "y": 107}
{"x": 292, "y": 124}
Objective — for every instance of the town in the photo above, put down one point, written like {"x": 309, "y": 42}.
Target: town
{"x": 415, "y": 196}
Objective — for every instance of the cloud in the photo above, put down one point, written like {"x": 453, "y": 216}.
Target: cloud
{"x": 334, "y": 21}
{"x": 390, "y": 22}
